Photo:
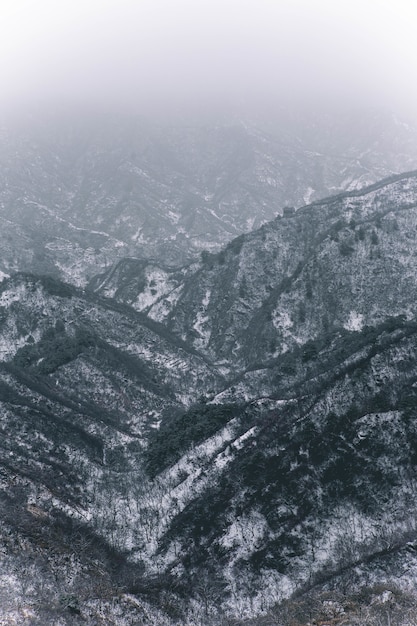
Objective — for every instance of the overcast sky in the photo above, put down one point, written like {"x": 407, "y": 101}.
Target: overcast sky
{"x": 170, "y": 53}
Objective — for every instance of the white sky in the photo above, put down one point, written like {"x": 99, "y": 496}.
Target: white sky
{"x": 173, "y": 51}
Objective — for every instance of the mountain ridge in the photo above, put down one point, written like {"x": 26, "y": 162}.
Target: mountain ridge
{"x": 251, "y": 439}
{"x": 84, "y": 193}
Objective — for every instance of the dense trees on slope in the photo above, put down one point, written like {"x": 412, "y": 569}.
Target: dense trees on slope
{"x": 259, "y": 439}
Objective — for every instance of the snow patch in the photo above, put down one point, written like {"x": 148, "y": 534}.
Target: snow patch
{"x": 282, "y": 321}
{"x": 157, "y": 285}
{"x": 247, "y": 532}
{"x": 139, "y": 237}
{"x": 308, "y": 195}
{"x": 201, "y": 321}
{"x": 163, "y": 306}
{"x": 12, "y": 295}
{"x": 354, "y": 322}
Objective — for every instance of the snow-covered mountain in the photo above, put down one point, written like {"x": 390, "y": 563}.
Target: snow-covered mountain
{"x": 78, "y": 194}
{"x": 207, "y": 443}
{"x": 296, "y": 278}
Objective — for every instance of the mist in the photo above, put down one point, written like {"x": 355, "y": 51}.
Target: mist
{"x": 160, "y": 56}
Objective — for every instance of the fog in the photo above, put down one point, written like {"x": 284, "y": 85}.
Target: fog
{"x": 202, "y": 55}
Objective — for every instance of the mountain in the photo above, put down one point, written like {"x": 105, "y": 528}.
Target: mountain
{"x": 293, "y": 280}
{"x": 78, "y": 193}
{"x": 313, "y": 319}
{"x": 231, "y": 441}
{"x": 83, "y": 383}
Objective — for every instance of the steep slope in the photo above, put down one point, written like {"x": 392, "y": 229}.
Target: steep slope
{"x": 321, "y": 486}
{"x": 344, "y": 262}
{"x": 313, "y": 316}
{"x": 83, "y": 381}
{"x": 256, "y": 440}
{"x": 79, "y": 193}
{"x": 244, "y": 505}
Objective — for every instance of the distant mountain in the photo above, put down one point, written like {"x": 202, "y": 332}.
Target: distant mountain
{"x": 78, "y": 194}
{"x": 211, "y": 441}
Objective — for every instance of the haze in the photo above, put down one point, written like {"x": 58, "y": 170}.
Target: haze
{"x": 174, "y": 54}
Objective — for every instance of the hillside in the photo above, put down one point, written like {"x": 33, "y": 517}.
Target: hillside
{"x": 344, "y": 262}
{"x": 241, "y": 438}
{"x": 79, "y": 193}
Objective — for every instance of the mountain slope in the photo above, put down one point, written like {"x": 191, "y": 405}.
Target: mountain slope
{"x": 82, "y": 193}
{"x": 83, "y": 383}
{"x": 312, "y": 317}
{"x": 344, "y": 262}
{"x": 256, "y": 440}
{"x": 322, "y": 482}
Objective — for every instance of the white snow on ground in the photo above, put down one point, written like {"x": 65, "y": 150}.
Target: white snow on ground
{"x": 74, "y": 270}
{"x": 354, "y": 322}
{"x": 73, "y": 226}
{"x": 403, "y": 190}
{"x": 268, "y": 180}
{"x": 283, "y": 322}
{"x": 201, "y": 321}
{"x": 11, "y": 339}
{"x": 245, "y": 531}
{"x": 138, "y": 237}
{"x": 76, "y": 263}
{"x": 272, "y": 587}
{"x": 348, "y": 531}
{"x": 226, "y": 455}
{"x": 157, "y": 502}
{"x": 249, "y": 223}
{"x": 3, "y": 276}
{"x": 214, "y": 214}
{"x": 168, "y": 360}
{"x": 12, "y": 295}
{"x": 238, "y": 443}
{"x": 308, "y": 195}
{"x": 157, "y": 285}
{"x": 174, "y": 217}
{"x": 165, "y": 304}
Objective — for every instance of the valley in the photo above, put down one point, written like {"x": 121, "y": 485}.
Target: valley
{"x": 216, "y": 439}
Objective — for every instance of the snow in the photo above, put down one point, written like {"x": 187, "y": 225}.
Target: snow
{"x": 387, "y": 596}
{"x": 245, "y": 531}
{"x": 70, "y": 224}
{"x": 269, "y": 180}
{"x": 201, "y": 322}
{"x": 283, "y": 321}
{"x": 165, "y": 497}
{"x": 76, "y": 263}
{"x": 164, "y": 304}
{"x": 238, "y": 443}
{"x": 250, "y": 223}
{"x": 12, "y": 295}
{"x": 11, "y": 338}
{"x": 308, "y": 195}
{"x": 355, "y": 321}
{"x": 214, "y": 214}
{"x": 158, "y": 284}
{"x": 138, "y": 237}
{"x": 174, "y": 217}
